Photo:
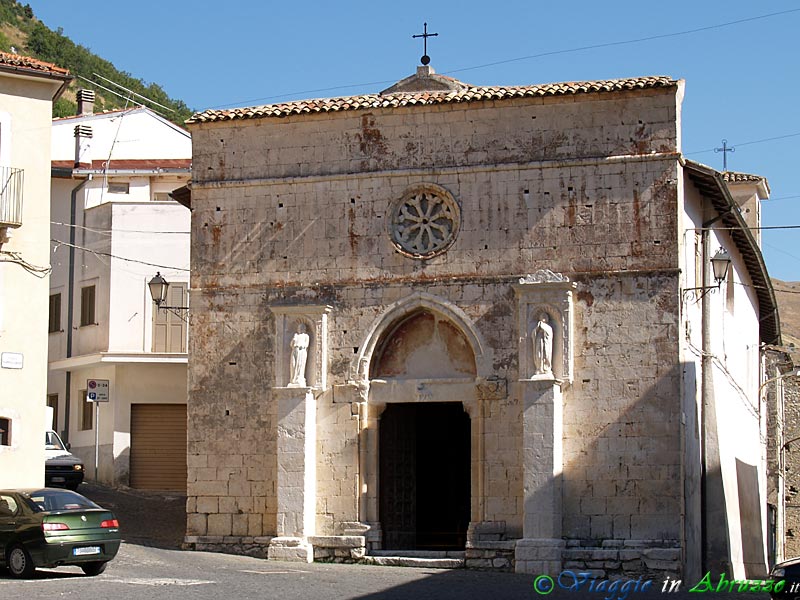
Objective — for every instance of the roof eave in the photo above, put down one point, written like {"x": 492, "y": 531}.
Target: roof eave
{"x": 27, "y": 73}
{"x": 711, "y": 184}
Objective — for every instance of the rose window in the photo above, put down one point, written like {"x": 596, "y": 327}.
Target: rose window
{"x": 425, "y": 222}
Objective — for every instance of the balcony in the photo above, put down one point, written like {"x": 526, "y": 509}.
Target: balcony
{"x": 10, "y": 197}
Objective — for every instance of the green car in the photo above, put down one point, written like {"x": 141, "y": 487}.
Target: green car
{"x": 55, "y": 527}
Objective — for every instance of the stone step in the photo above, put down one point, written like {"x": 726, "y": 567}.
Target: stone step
{"x": 412, "y": 561}
{"x": 420, "y": 553}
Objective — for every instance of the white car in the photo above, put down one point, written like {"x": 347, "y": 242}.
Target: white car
{"x": 61, "y": 468}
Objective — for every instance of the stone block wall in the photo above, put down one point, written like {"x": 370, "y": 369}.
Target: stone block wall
{"x": 296, "y": 210}
{"x": 791, "y": 427}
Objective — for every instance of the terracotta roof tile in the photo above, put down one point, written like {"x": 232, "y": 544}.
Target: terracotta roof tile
{"x": 734, "y": 177}
{"x": 26, "y": 63}
{"x": 395, "y": 100}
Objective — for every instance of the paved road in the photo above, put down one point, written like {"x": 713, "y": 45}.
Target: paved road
{"x": 148, "y": 573}
{"x": 150, "y": 566}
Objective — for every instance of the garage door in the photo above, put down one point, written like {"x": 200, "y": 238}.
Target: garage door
{"x": 158, "y": 447}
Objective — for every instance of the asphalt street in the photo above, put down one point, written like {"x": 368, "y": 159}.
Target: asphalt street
{"x": 150, "y": 573}
{"x": 150, "y": 566}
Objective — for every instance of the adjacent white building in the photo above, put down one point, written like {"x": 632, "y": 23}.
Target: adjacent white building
{"x": 28, "y": 88}
{"x": 113, "y": 226}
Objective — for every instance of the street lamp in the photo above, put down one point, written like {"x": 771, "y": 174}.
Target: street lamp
{"x": 720, "y": 263}
{"x": 158, "y": 290}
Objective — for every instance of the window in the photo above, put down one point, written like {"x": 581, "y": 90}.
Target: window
{"x": 52, "y": 402}
{"x": 54, "y": 322}
{"x": 118, "y": 187}
{"x": 87, "y": 306}
{"x": 169, "y": 328}
{"x": 86, "y": 412}
{"x": 8, "y": 506}
{"x": 5, "y": 432}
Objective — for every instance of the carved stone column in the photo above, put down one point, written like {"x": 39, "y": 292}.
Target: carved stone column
{"x": 543, "y": 297}
{"x": 297, "y": 428}
{"x": 297, "y": 474}
{"x": 542, "y": 430}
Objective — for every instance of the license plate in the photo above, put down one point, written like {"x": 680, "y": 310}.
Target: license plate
{"x": 86, "y": 551}
{"x": 58, "y": 480}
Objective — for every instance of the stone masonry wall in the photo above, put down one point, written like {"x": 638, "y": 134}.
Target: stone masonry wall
{"x": 791, "y": 429}
{"x": 296, "y": 211}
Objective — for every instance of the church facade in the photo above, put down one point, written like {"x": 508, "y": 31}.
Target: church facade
{"x": 478, "y": 323}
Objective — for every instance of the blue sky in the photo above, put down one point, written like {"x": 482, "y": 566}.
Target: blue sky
{"x": 742, "y": 79}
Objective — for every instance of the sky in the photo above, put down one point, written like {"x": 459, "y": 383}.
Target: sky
{"x": 739, "y": 59}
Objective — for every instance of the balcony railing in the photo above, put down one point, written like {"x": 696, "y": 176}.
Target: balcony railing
{"x": 11, "y": 197}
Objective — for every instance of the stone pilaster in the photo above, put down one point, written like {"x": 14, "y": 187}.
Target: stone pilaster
{"x": 297, "y": 475}
{"x": 540, "y": 549}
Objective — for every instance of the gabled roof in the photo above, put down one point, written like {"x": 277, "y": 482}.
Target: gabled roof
{"x": 712, "y": 185}
{"x": 113, "y": 113}
{"x": 16, "y": 64}
{"x": 430, "y": 97}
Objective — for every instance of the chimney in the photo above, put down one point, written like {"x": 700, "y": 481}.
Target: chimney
{"x": 83, "y": 147}
{"x": 85, "y": 102}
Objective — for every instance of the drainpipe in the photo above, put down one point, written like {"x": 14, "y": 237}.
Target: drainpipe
{"x": 70, "y": 298}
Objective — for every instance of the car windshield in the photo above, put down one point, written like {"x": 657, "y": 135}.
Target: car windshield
{"x": 53, "y": 442}
{"x": 51, "y": 500}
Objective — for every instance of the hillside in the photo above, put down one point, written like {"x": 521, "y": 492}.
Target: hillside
{"x": 20, "y": 29}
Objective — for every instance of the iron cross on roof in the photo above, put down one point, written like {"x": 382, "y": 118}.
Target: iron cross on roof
{"x": 425, "y": 58}
{"x": 725, "y": 151}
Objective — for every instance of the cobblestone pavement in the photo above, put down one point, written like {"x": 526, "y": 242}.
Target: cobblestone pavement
{"x": 145, "y": 518}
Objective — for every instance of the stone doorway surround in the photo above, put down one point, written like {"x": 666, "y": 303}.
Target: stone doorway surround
{"x": 372, "y": 395}
{"x": 540, "y": 394}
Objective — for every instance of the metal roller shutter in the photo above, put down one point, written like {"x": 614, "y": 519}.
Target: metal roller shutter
{"x": 158, "y": 447}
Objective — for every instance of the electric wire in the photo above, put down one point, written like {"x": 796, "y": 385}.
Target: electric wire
{"x": 16, "y": 258}
{"x": 109, "y": 232}
{"x": 132, "y": 260}
{"x": 530, "y": 57}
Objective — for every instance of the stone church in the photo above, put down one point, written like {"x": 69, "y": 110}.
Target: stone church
{"x": 479, "y": 324}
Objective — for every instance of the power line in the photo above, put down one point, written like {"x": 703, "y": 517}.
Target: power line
{"x": 631, "y": 41}
{"x": 110, "y": 231}
{"x": 769, "y": 139}
{"x": 133, "y": 260}
{"x": 533, "y": 56}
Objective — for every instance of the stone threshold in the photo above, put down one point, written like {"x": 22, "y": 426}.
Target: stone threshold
{"x": 420, "y": 553}
{"x": 414, "y": 561}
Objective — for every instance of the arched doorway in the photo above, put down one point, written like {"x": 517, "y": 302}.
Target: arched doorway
{"x": 424, "y": 438}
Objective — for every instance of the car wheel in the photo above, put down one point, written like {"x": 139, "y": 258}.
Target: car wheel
{"x": 94, "y": 568}
{"x": 19, "y": 562}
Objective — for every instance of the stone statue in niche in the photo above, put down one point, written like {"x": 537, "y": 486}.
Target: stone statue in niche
{"x": 543, "y": 346}
{"x": 297, "y": 364}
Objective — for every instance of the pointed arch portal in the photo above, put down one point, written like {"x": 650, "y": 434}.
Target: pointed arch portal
{"x": 422, "y": 356}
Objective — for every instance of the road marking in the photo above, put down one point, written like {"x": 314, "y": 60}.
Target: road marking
{"x": 156, "y": 581}
{"x": 271, "y": 572}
